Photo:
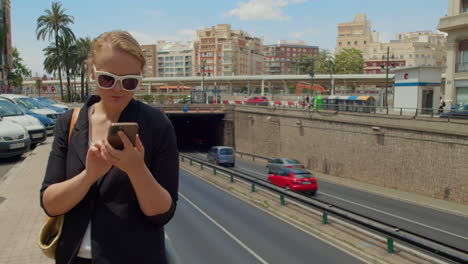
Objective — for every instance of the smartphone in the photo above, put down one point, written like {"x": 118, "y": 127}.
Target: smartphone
{"x": 130, "y": 129}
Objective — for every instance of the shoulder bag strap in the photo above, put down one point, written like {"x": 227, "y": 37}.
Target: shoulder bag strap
{"x": 74, "y": 117}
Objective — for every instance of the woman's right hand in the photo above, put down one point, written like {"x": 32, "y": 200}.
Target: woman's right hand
{"x": 96, "y": 166}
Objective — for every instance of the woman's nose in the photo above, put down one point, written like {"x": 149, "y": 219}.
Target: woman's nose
{"x": 118, "y": 86}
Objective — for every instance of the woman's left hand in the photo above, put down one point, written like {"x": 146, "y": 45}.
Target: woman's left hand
{"x": 130, "y": 158}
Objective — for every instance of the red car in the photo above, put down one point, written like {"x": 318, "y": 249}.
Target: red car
{"x": 257, "y": 100}
{"x": 294, "y": 180}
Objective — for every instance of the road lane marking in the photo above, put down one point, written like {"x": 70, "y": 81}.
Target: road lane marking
{"x": 224, "y": 230}
{"x": 371, "y": 208}
{"x": 399, "y": 217}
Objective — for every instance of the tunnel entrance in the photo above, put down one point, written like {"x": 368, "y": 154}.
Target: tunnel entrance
{"x": 198, "y": 132}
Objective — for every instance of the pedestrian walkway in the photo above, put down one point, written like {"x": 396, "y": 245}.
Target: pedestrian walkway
{"x": 20, "y": 213}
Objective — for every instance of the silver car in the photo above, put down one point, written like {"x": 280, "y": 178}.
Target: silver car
{"x": 221, "y": 155}
{"x": 283, "y": 163}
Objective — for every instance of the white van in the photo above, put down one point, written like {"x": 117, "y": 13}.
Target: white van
{"x": 31, "y": 104}
{"x": 14, "y": 139}
{"x": 11, "y": 112}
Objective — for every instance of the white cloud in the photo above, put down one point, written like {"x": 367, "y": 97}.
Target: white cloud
{"x": 262, "y": 10}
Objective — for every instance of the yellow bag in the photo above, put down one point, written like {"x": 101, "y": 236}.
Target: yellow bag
{"x": 50, "y": 234}
{"x": 52, "y": 227}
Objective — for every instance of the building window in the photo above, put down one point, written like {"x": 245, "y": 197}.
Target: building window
{"x": 365, "y": 42}
{"x": 349, "y": 43}
{"x": 462, "y": 60}
{"x": 339, "y": 43}
{"x": 355, "y": 43}
{"x": 464, "y": 6}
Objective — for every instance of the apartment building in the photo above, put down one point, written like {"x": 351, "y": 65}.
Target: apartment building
{"x": 455, "y": 24}
{"x": 6, "y": 60}
{"x": 175, "y": 59}
{"x": 149, "y": 52}
{"x": 281, "y": 58}
{"x": 421, "y": 48}
{"x": 222, "y": 51}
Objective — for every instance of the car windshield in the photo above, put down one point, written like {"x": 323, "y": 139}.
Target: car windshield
{"x": 292, "y": 161}
{"x": 304, "y": 175}
{"x": 226, "y": 151}
{"x": 47, "y": 100}
{"x": 9, "y": 109}
{"x": 29, "y": 103}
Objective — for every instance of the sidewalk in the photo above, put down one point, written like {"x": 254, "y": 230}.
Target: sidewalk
{"x": 20, "y": 213}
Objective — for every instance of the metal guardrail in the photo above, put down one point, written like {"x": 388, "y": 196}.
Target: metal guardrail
{"x": 391, "y": 232}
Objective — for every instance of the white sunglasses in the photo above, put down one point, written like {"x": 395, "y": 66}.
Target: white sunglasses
{"x": 107, "y": 80}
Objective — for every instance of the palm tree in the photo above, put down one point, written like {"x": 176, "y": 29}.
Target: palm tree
{"x": 55, "y": 24}
{"x": 65, "y": 61}
{"x": 83, "y": 48}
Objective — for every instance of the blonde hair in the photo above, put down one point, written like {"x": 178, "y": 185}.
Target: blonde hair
{"x": 118, "y": 39}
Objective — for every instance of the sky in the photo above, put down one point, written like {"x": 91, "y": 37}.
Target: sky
{"x": 313, "y": 21}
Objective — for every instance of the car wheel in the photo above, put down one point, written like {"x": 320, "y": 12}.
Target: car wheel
{"x": 232, "y": 165}
{"x": 33, "y": 146}
{"x": 312, "y": 193}
{"x": 287, "y": 188}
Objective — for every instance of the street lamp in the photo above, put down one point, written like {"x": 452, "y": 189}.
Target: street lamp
{"x": 330, "y": 69}
{"x": 204, "y": 94}
{"x": 386, "y": 68}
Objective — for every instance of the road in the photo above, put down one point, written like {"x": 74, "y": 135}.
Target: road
{"x": 438, "y": 225}
{"x": 211, "y": 226}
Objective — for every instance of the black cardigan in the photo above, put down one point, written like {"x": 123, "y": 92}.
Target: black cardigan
{"x": 120, "y": 232}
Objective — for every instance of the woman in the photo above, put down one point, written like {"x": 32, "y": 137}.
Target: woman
{"x": 115, "y": 202}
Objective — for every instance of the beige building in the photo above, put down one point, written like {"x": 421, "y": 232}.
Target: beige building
{"x": 227, "y": 52}
{"x": 421, "y": 48}
{"x": 174, "y": 59}
{"x": 150, "y": 54}
{"x": 456, "y": 25}
{"x": 356, "y": 34}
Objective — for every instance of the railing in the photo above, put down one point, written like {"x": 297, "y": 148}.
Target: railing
{"x": 461, "y": 67}
{"x": 390, "y": 232}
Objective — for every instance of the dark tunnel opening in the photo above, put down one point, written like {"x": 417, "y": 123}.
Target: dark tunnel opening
{"x": 198, "y": 132}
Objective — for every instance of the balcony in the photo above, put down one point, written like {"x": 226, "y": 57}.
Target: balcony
{"x": 450, "y": 23}
{"x": 461, "y": 67}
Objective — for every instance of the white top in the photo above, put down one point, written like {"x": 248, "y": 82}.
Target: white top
{"x": 85, "y": 248}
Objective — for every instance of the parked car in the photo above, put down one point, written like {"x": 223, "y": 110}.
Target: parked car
{"x": 221, "y": 155}
{"x": 283, "y": 163}
{"x": 31, "y": 104}
{"x": 460, "y": 112}
{"x": 257, "y": 100}
{"x": 295, "y": 180}
{"x": 52, "y": 102}
{"x": 14, "y": 139}
{"x": 51, "y": 107}
{"x": 46, "y": 122}
{"x": 11, "y": 112}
